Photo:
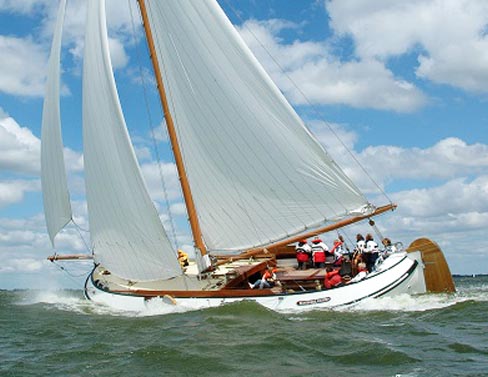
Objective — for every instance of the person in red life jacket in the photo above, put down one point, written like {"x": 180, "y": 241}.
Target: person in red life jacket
{"x": 332, "y": 278}
{"x": 268, "y": 279}
{"x": 319, "y": 249}
{"x": 303, "y": 251}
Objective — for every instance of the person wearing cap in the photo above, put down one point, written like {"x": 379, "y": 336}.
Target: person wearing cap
{"x": 303, "y": 251}
{"x": 319, "y": 248}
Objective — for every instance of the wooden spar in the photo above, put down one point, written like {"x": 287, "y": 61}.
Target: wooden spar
{"x": 185, "y": 186}
{"x": 324, "y": 229}
{"x": 56, "y": 257}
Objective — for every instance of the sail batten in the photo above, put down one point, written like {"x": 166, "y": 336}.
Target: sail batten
{"x": 57, "y": 207}
{"x": 256, "y": 171}
{"x": 127, "y": 236}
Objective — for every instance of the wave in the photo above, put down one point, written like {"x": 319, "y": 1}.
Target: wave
{"x": 74, "y": 301}
{"x": 469, "y": 290}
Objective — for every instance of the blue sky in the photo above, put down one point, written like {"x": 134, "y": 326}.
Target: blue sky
{"x": 404, "y": 85}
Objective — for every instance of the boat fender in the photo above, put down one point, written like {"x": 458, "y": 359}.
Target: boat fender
{"x": 170, "y": 300}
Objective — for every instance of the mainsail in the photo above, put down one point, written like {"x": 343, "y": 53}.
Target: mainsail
{"x": 257, "y": 174}
{"x": 57, "y": 207}
{"x": 127, "y": 236}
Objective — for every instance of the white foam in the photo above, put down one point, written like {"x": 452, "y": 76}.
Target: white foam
{"x": 73, "y": 301}
{"x": 404, "y": 303}
{"x": 59, "y": 299}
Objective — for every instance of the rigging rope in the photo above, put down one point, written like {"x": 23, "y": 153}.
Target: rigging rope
{"x": 153, "y": 137}
{"x": 62, "y": 268}
{"x": 79, "y": 229}
{"x": 376, "y": 229}
{"x": 155, "y": 144}
{"x": 312, "y": 106}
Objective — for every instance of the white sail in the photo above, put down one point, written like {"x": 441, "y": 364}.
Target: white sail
{"x": 257, "y": 174}
{"x": 126, "y": 233}
{"x": 57, "y": 207}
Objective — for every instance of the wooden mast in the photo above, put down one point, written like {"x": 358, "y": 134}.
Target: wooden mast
{"x": 185, "y": 186}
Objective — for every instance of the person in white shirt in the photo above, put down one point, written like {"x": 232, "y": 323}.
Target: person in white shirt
{"x": 389, "y": 248}
{"x": 360, "y": 243}
{"x": 371, "y": 252}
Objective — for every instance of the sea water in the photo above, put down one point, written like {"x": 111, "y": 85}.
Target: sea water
{"x": 62, "y": 334}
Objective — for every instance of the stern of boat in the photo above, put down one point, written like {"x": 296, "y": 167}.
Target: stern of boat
{"x": 438, "y": 277}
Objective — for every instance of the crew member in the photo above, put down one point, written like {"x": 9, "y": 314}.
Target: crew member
{"x": 303, "y": 251}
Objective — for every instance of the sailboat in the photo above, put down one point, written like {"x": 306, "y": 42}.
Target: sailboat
{"x": 254, "y": 179}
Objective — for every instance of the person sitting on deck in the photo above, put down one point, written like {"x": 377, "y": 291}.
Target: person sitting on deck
{"x": 268, "y": 279}
{"x": 332, "y": 278}
{"x": 346, "y": 268}
{"x": 362, "y": 272}
{"x": 319, "y": 250}
{"x": 303, "y": 250}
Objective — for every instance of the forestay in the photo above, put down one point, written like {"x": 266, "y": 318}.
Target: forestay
{"x": 257, "y": 174}
{"x": 57, "y": 207}
{"x": 126, "y": 233}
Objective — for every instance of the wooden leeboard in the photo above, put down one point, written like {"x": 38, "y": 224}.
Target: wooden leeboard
{"x": 438, "y": 277}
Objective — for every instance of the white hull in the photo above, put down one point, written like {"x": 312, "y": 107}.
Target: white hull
{"x": 400, "y": 273}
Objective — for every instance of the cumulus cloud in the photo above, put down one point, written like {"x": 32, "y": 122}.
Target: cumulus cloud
{"x": 119, "y": 23}
{"x": 21, "y": 265}
{"x": 309, "y": 73}
{"x": 178, "y": 209}
{"x": 22, "y": 66}
{"x": 20, "y": 150}
{"x": 24, "y": 6}
{"x": 457, "y": 197}
{"x": 23, "y": 59}
{"x": 152, "y": 177}
{"x": 14, "y": 191}
{"x": 447, "y": 158}
{"x": 448, "y": 36}
{"x": 450, "y": 214}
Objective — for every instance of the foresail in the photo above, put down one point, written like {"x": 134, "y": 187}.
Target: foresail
{"x": 257, "y": 174}
{"x": 126, "y": 233}
{"x": 57, "y": 207}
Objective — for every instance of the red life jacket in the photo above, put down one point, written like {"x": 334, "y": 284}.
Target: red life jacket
{"x": 319, "y": 256}
{"x": 332, "y": 279}
{"x": 268, "y": 275}
{"x": 302, "y": 257}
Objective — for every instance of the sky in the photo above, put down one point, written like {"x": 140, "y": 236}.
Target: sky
{"x": 399, "y": 89}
